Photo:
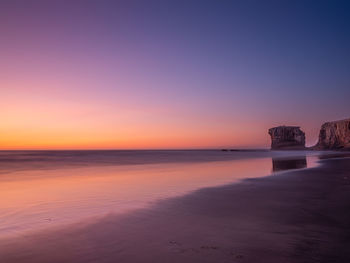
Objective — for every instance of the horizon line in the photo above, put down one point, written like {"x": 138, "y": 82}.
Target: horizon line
{"x": 139, "y": 149}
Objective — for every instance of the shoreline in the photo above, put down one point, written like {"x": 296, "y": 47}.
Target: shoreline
{"x": 33, "y": 160}
{"x": 294, "y": 216}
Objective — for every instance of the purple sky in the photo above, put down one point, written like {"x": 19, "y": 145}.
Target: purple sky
{"x": 169, "y": 74}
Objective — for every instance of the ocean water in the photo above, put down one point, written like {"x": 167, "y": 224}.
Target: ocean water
{"x": 46, "y": 189}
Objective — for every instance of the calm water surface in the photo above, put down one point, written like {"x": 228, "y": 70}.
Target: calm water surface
{"x": 42, "y": 189}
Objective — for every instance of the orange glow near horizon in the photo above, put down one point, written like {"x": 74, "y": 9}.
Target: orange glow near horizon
{"x": 35, "y": 118}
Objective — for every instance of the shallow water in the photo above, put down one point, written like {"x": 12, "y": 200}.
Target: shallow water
{"x": 43, "y": 189}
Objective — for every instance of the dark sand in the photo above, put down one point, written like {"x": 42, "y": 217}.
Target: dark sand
{"x": 296, "y": 216}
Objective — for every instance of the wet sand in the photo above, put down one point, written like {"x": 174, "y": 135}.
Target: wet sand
{"x": 295, "y": 216}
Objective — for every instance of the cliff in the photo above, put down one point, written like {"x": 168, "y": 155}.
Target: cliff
{"x": 287, "y": 137}
{"x": 334, "y": 135}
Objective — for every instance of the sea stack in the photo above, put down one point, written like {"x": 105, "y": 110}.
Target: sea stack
{"x": 334, "y": 135}
{"x": 287, "y": 138}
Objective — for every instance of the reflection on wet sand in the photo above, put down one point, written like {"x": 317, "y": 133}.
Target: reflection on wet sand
{"x": 31, "y": 199}
{"x": 281, "y": 164}
{"x": 274, "y": 219}
{"x": 35, "y": 199}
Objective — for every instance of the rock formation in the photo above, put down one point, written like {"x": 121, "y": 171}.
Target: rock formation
{"x": 287, "y": 137}
{"x": 334, "y": 135}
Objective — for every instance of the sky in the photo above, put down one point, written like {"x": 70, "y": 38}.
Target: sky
{"x": 169, "y": 74}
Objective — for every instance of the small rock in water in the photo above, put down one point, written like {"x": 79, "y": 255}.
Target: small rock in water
{"x": 287, "y": 137}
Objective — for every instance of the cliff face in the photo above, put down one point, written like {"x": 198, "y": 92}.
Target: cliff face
{"x": 287, "y": 137}
{"x": 334, "y": 135}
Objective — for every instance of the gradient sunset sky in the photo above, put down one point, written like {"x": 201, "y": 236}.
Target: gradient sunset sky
{"x": 169, "y": 74}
